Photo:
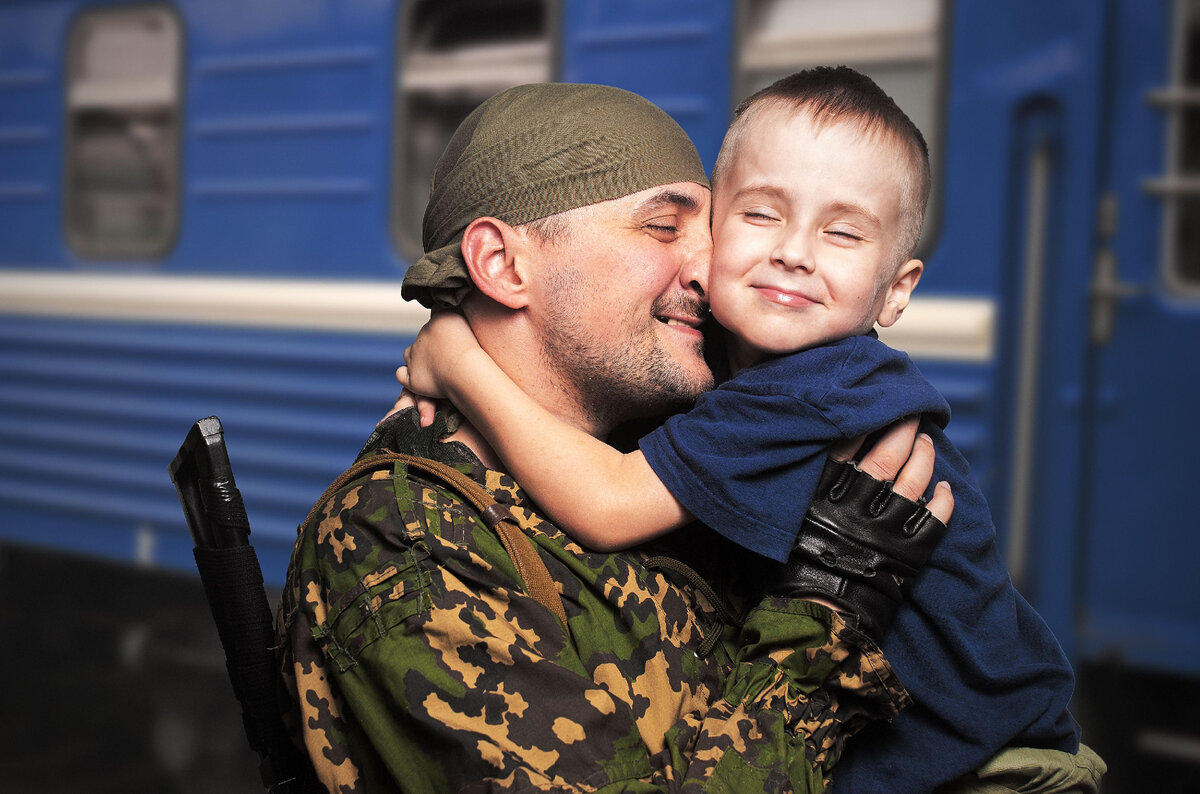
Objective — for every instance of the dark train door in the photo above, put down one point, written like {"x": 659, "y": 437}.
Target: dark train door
{"x": 1139, "y": 616}
{"x": 1140, "y": 602}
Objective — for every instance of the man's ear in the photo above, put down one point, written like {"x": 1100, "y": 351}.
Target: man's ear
{"x": 490, "y": 248}
{"x": 896, "y": 298}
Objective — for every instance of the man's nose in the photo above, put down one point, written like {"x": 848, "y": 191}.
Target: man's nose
{"x": 694, "y": 273}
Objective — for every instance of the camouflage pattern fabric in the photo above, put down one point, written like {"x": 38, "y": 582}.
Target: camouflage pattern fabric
{"x": 416, "y": 662}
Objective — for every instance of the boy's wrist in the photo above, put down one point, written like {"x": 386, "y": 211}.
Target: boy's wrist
{"x": 468, "y": 366}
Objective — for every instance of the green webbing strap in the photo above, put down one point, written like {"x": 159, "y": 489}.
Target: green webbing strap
{"x": 530, "y": 566}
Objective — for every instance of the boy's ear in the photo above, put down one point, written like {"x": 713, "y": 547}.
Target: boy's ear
{"x": 490, "y": 248}
{"x": 897, "y": 295}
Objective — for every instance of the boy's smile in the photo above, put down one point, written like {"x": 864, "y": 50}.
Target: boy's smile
{"x": 784, "y": 297}
{"x": 806, "y": 224}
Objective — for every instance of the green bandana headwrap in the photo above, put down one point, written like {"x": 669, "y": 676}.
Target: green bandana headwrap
{"x": 534, "y": 151}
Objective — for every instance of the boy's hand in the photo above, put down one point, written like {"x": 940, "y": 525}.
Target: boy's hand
{"x": 436, "y": 356}
{"x": 426, "y": 408}
{"x": 906, "y": 458}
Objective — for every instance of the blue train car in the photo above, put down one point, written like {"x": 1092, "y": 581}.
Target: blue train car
{"x": 206, "y": 206}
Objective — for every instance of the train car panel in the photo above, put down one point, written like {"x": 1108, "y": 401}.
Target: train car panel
{"x": 92, "y": 411}
{"x": 289, "y": 129}
{"x": 31, "y": 130}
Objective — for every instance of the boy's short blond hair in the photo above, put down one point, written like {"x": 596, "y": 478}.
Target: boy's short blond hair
{"x": 835, "y": 95}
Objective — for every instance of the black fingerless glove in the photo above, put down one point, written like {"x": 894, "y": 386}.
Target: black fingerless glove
{"x": 860, "y": 547}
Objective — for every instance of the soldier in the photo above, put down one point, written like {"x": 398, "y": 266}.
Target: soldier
{"x": 423, "y": 650}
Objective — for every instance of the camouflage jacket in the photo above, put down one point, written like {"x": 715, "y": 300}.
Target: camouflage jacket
{"x": 416, "y": 662}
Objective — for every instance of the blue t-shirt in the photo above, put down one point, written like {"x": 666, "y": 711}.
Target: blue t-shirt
{"x": 983, "y": 668}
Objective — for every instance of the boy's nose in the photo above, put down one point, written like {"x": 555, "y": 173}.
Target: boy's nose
{"x": 792, "y": 251}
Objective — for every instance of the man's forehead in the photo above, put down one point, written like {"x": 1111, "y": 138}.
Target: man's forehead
{"x": 671, "y": 197}
{"x": 687, "y": 196}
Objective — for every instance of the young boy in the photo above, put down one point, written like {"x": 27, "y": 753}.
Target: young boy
{"x": 818, "y": 198}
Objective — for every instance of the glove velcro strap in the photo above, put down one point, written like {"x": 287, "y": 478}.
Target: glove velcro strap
{"x": 862, "y": 606}
{"x": 824, "y": 546}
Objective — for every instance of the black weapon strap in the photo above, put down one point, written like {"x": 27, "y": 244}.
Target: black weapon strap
{"x": 233, "y": 583}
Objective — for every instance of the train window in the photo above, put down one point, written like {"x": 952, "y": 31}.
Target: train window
{"x": 899, "y": 45}
{"x": 123, "y": 110}
{"x": 454, "y": 55}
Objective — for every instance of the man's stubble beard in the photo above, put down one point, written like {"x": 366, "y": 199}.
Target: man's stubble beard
{"x": 622, "y": 372}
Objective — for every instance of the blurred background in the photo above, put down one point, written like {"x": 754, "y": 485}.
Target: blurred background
{"x": 206, "y": 207}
